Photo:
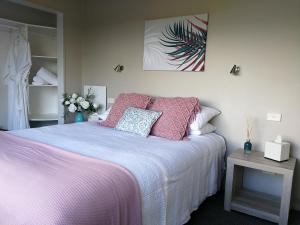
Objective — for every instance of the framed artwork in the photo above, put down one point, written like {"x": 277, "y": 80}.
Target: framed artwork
{"x": 176, "y": 44}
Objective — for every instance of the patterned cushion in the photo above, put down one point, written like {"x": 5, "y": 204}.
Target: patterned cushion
{"x": 138, "y": 121}
{"x": 176, "y": 115}
{"x": 122, "y": 103}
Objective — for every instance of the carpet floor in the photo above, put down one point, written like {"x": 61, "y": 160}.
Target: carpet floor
{"x": 211, "y": 212}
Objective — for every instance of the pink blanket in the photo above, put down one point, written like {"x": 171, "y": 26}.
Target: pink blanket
{"x": 43, "y": 185}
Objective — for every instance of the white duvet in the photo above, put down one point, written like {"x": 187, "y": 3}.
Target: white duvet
{"x": 174, "y": 176}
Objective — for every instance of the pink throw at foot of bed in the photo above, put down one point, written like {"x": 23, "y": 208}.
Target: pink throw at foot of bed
{"x": 44, "y": 185}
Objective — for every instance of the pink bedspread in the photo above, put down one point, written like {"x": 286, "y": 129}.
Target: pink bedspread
{"x": 43, "y": 185}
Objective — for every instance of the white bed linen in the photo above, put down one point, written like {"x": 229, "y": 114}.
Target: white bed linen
{"x": 174, "y": 176}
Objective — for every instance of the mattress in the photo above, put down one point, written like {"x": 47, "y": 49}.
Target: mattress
{"x": 174, "y": 177}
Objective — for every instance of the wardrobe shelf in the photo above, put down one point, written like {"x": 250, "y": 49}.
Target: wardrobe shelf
{"x": 34, "y": 26}
{"x": 42, "y": 30}
{"x": 44, "y": 57}
{"x": 42, "y": 85}
{"x": 44, "y": 117}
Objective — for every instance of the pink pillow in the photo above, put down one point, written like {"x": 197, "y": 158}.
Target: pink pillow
{"x": 176, "y": 116}
{"x": 122, "y": 103}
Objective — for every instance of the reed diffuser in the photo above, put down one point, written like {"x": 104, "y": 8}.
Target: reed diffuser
{"x": 247, "y": 144}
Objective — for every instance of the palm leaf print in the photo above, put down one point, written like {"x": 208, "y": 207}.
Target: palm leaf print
{"x": 187, "y": 43}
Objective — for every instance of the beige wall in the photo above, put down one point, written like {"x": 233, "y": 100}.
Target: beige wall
{"x": 72, "y": 38}
{"x": 262, "y": 36}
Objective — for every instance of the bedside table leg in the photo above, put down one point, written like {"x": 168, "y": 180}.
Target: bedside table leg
{"x": 286, "y": 198}
{"x": 228, "y": 185}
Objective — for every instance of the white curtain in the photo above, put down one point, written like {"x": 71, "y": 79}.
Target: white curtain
{"x": 16, "y": 75}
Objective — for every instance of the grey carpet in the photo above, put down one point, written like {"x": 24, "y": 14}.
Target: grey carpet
{"x": 211, "y": 212}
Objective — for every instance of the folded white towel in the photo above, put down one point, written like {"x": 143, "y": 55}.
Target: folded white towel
{"x": 39, "y": 80}
{"x": 47, "y": 76}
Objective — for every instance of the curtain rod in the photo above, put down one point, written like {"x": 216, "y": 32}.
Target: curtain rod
{"x": 24, "y": 24}
{"x": 8, "y": 26}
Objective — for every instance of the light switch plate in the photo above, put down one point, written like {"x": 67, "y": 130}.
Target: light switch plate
{"x": 274, "y": 117}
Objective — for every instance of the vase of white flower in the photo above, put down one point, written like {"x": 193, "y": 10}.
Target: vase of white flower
{"x": 79, "y": 105}
{"x": 79, "y": 117}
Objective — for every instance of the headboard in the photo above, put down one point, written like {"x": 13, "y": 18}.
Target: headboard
{"x": 100, "y": 95}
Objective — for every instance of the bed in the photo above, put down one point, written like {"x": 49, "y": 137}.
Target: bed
{"x": 174, "y": 177}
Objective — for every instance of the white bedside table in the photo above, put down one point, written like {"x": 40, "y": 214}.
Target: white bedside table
{"x": 257, "y": 204}
{"x": 93, "y": 117}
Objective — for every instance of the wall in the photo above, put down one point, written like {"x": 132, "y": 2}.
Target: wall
{"x": 262, "y": 36}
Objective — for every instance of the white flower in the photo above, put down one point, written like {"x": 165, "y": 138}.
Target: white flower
{"x": 72, "y": 100}
{"x": 72, "y": 108}
{"x": 74, "y": 95}
{"x": 67, "y": 103}
{"x": 80, "y": 99}
{"x": 85, "y": 104}
{"x": 95, "y": 105}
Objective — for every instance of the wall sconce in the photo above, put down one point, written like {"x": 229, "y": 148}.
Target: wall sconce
{"x": 235, "y": 70}
{"x": 119, "y": 68}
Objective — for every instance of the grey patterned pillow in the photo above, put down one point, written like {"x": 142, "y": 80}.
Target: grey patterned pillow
{"x": 138, "y": 121}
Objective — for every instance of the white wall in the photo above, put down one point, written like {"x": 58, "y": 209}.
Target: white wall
{"x": 262, "y": 36}
{"x": 4, "y": 45}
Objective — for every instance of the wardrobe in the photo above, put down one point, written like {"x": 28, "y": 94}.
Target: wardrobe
{"x": 43, "y": 29}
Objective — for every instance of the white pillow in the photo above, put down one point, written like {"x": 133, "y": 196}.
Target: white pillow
{"x": 206, "y": 129}
{"x": 203, "y": 117}
{"x": 104, "y": 115}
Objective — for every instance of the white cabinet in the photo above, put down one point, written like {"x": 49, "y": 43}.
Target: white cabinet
{"x": 44, "y": 30}
{"x": 43, "y": 99}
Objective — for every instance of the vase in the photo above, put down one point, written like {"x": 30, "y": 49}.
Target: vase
{"x": 247, "y": 147}
{"x": 79, "y": 117}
